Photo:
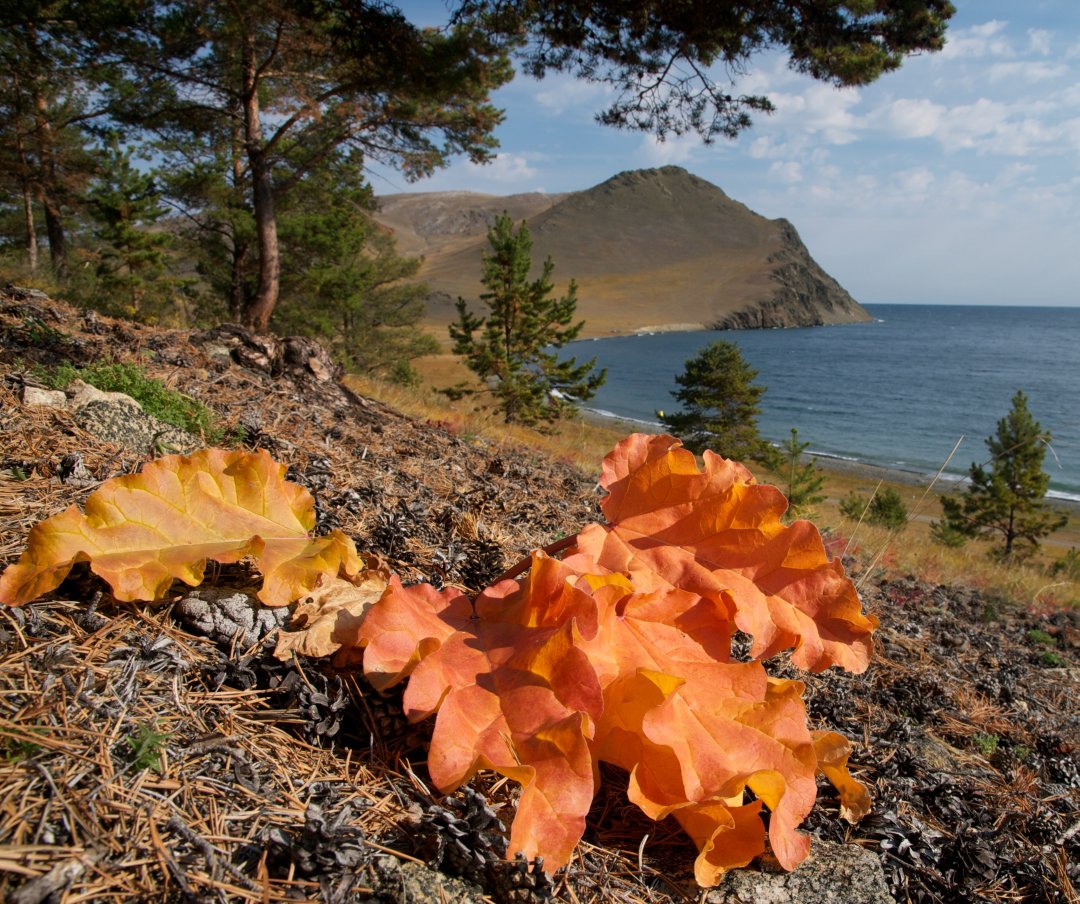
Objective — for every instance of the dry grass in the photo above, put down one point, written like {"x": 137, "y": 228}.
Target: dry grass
{"x": 581, "y": 442}
{"x": 584, "y": 443}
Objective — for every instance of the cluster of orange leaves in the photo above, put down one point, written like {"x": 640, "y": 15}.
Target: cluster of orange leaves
{"x": 620, "y": 652}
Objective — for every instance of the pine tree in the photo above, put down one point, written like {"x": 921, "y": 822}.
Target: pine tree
{"x": 800, "y": 480}
{"x": 131, "y": 255}
{"x": 720, "y": 404}
{"x": 272, "y": 90}
{"x": 884, "y": 509}
{"x": 1004, "y": 500}
{"x": 342, "y": 278}
{"x": 524, "y": 322}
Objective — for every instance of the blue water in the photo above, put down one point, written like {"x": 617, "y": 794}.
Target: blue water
{"x": 898, "y": 392}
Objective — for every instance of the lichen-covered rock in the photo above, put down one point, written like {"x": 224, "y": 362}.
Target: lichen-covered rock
{"x": 832, "y": 874}
{"x": 404, "y": 882}
{"x": 48, "y": 398}
{"x": 133, "y": 429}
{"x": 82, "y": 394}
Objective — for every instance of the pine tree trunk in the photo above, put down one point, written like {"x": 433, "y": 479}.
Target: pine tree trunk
{"x": 238, "y": 296}
{"x": 257, "y": 314}
{"x": 47, "y": 192}
{"x": 28, "y": 200}
{"x": 31, "y": 234}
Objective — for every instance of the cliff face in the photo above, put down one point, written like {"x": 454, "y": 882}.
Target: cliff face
{"x": 805, "y": 295}
{"x": 656, "y": 249}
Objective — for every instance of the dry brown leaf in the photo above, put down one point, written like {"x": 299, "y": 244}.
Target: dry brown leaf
{"x": 327, "y": 621}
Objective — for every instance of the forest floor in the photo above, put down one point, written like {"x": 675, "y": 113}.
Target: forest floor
{"x": 143, "y": 760}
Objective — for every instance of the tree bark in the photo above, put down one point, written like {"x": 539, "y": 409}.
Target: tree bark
{"x": 238, "y": 290}
{"x": 31, "y": 234}
{"x": 28, "y": 202}
{"x": 257, "y": 314}
{"x": 54, "y": 217}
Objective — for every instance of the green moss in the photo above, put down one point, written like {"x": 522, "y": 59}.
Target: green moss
{"x": 156, "y": 398}
{"x": 1051, "y": 659}
{"x": 15, "y": 749}
{"x": 1040, "y": 638}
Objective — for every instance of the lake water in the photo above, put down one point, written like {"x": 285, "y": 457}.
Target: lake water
{"x": 898, "y": 392}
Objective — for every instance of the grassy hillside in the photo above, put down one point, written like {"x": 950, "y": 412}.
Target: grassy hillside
{"x": 652, "y": 249}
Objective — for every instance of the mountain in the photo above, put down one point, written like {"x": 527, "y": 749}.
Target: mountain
{"x": 656, "y": 249}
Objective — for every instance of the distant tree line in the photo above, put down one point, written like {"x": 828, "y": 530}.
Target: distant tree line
{"x": 198, "y": 159}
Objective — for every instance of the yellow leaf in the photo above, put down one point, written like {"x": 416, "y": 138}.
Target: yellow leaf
{"x": 142, "y": 531}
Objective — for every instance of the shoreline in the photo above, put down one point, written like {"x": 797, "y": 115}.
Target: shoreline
{"x": 840, "y": 467}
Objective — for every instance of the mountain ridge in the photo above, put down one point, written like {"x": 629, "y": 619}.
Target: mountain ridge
{"x": 651, "y": 249}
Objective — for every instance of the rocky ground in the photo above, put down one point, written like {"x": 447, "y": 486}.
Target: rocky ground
{"x": 158, "y": 753}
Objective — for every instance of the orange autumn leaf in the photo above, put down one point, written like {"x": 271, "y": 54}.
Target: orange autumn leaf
{"x": 694, "y": 732}
{"x": 718, "y": 534}
{"x": 833, "y": 751}
{"x": 621, "y": 653}
{"x": 513, "y": 690}
{"x": 142, "y": 531}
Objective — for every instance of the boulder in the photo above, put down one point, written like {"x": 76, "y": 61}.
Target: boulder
{"x": 133, "y": 429}
{"x": 47, "y": 398}
{"x": 832, "y": 874}
{"x": 82, "y": 394}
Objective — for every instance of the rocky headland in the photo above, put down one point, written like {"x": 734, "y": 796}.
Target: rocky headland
{"x": 649, "y": 249}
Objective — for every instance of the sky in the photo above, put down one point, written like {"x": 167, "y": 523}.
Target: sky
{"x": 955, "y": 180}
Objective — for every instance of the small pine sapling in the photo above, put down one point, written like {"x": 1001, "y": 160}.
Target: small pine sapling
{"x": 1004, "y": 500}
{"x": 884, "y": 509}
{"x": 513, "y": 353}
{"x": 800, "y": 480}
{"x": 719, "y": 404}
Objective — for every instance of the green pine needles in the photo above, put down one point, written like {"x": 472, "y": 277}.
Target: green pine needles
{"x": 799, "y": 476}
{"x": 512, "y": 348}
{"x": 719, "y": 405}
{"x": 1004, "y": 498}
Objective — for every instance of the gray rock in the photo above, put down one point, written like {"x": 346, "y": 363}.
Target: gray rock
{"x": 49, "y": 398}
{"x": 133, "y": 429}
{"x": 832, "y": 874}
{"x": 82, "y": 394}
{"x": 73, "y": 471}
{"x": 229, "y": 616}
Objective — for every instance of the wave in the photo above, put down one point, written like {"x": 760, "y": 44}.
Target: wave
{"x": 835, "y": 456}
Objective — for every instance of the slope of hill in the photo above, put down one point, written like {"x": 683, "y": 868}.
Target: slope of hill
{"x": 148, "y": 753}
{"x": 650, "y": 250}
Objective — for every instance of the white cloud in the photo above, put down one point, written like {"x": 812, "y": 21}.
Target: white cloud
{"x": 561, "y": 93}
{"x": 790, "y": 172}
{"x": 986, "y": 40}
{"x": 1039, "y": 40}
{"x": 985, "y": 126}
{"x": 916, "y": 182}
{"x": 819, "y": 110}
{"x": 911, "y": 117}
{"x": 505, "y": 168}
{"x": 673, "y": 149}
{"x": 1027, "y": 72}
{"x": 767, "y": 148}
